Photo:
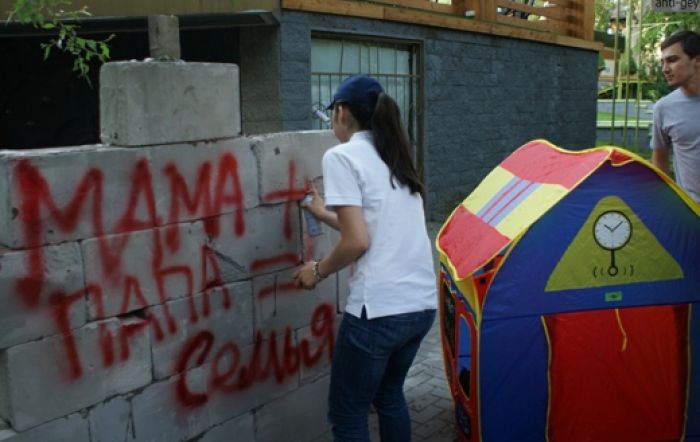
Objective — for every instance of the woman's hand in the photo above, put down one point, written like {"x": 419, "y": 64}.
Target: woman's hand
{"x": 317, "y": 206}
{"x": 353, "y": 243}
{"x": 305, "y": 277}
{"x": 318, "y": 209}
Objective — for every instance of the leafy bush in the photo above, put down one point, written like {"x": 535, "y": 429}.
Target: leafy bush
{"x": 48, "y": 15}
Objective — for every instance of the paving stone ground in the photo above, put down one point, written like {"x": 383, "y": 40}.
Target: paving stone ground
{"x": 427, "y": 393}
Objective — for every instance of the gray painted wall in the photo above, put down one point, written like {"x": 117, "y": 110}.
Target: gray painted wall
{"x": 484, "y": 95}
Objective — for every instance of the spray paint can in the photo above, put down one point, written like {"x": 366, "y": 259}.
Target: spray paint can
{"x": 313, "y": 225}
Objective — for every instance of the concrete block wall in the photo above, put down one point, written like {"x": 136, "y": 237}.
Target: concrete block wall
{"x": 146, "y": 287}
{"x": 139, "y": 103}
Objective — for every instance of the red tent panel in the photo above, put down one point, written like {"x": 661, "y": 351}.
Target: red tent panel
{"x": 615, "y": 377}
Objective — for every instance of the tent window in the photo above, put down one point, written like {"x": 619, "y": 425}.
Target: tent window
{"x": 449, "y": 315}
{"x": 464, "y": 363}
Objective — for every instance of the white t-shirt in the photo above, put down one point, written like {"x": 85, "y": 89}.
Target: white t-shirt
{"x": 395, "y": 275}
{"x": 677, "y": 126}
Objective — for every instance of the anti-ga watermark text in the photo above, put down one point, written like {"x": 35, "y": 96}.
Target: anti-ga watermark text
{"x": 675, "y": 5}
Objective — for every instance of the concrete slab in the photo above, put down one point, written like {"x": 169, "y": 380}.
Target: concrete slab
{"x": 131, "y": 269}
{"x": 73, "y": 428}
{"x": 271, "y": 242}
{"x": 280, "y": 305}
{"x": 24, "y": 318}
{"x": 111, "y": 421}
{"x": 72, "y": 193}
{"x": 290, "y": 161}
{"x": 59, "y": 375}
{"x": 284, "y": 419}
{"x": 243, "y": 427}
{"x": 225, "y": 312}
{"x": 201, "y": 180}
{"x": 149, "y": 103}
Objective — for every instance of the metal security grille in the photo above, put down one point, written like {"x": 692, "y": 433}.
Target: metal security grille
{"x": 394, "y": 65}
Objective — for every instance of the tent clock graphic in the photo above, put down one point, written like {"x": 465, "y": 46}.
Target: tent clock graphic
{"x": 611, "y": 231}
{"x": 613, "y": 246}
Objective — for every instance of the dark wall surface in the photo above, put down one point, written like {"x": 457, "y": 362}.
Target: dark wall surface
{"x": 44, "y": 104}
{"x": 484, "y": 96}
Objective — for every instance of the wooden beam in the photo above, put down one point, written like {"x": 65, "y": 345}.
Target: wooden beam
{"x": 459, "y": 7}
{"x": 380, "y": 11}
{"x": 541, "y": 25}
{"x": 588, "y": 20}
{"x": 338, "y": 7}
{"x": 568, "y": 4}
{"x": 485, "y": 10}
{"x": 470, "y": 25}
{"x": 576, "y": 21}
{"x": 141, "y": 8}
{"x": 418, "y": 4}
{"x": 441, "y": 21}
{"x": 553, "y": 12}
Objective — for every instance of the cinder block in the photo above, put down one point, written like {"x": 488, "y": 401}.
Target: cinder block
{"x": 4, "y": 390}
{"x": 112, "y": 421}
{"x": 72, "y": 193}
{"x": 195, "y": 181}
{"x": 149, "y": 103}
{"x": 158, "y": 416}
{"x": 59, "y": 375}
{"x": 271, "y": 241}
{"x": 278, "y": 304}
{"x": 187, "y": 405}
{"x": 73, "y": 428}
{"x": 289, "y": 161}
{"x": 225, "y": 312}
{"x": 6, "y": 434}
{"x": 243, "y": 427}
{"x": 18, "y": 184}
{"x": 285, "y": 419}
{"x": 323, "y": 366}
{"x": 265, "y": 385}
{"x": 128, "y": 273}
{"x": 26, "y": 316}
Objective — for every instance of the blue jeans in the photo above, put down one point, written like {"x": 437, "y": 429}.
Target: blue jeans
{"x": 370, "y": 362}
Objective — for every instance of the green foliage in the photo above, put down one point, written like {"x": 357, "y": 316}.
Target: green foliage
{"x": 49, "y": 16}
{"x": 601, "y": 62}
{"x": 602, "y": 14}
{"x": 655, "y": 26}
{"x": 625, "y": 67}
{"x": 658, "y": 25}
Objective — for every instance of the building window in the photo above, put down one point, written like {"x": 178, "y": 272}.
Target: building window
{"x": 394, "y": 64}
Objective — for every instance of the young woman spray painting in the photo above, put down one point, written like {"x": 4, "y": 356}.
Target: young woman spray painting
{"x": 373, "y": 197}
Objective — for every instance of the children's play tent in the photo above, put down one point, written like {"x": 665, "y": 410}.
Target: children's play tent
{"x": 570, "y": 291}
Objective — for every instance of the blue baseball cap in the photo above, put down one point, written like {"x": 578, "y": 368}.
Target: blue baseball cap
{"x": 358, "y": 89}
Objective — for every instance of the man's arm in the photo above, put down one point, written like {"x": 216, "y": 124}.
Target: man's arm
{"x": 659, "y": 157}
{"x": 660, "y": 141}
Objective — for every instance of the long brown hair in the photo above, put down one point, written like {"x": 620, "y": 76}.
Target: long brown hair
{"x": 390, "y": 140}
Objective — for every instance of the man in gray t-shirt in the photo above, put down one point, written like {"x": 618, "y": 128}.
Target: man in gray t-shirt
{"x": 677, "y": 115}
